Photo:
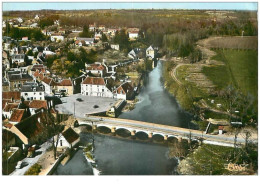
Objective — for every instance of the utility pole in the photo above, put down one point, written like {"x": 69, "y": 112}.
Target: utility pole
{"x": 242, "y": 33}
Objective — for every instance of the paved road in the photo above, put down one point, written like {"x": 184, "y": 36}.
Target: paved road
{"x": 31, "y": 161}
{"x": 165, "y": 129}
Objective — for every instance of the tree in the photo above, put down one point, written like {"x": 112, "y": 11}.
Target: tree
{"x": 104, "y": 38}
{"x": 71, "y": 56}
{"x": 85, "y": 32}
{"x": 30, "y": 53}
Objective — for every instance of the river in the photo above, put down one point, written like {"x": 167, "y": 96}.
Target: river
{"x": 156, "y": 105}
{"x": 118, "y": 156}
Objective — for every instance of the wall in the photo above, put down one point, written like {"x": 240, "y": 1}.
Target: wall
{"x": 33, "y": 95}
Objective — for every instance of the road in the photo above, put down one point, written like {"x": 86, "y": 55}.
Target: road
{"x": 31, "y": 161}
{"x": 165, "y": 129}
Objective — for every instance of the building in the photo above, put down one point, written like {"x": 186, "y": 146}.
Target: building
{"x": 17, "y": 79}
{"x": 36, "y": 105}
{"x": 68, "y": 139}
{"x": 124, "y": 91}
{"x": 49, "y": 85}
{"x": 8, "y": 109}
{"x": 18, "y": 115}
{"x": 84, "y": 41}
{"x": 57, "y": 37}
{"x": 65, "y": 86}
{"x": 96, "y": 69}
{"x": 95, "y": 86}
{"x": 92, "y": 27}
{"x": 133, "y": 35}
{"x": 19, "y": 58}
{"x": 150, "y": 53}
{"x": 29, "y": 130}
{"x": 31, "y": 91}
{"x": 114, "y": 46}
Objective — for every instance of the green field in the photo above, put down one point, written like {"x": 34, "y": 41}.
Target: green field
{"x": 240, "y": 70}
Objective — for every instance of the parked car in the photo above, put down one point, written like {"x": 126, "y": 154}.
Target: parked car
{"x": 95, "y": 106}
{"x": 79, "y": 99}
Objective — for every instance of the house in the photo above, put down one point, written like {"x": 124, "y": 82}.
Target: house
{"x": 24, "y": 38}
{"x": 36, "y": 17}
{"x": 29, "y": 130}
{"x": 65, "y": 86}
{"x": 98, "y": 36}
{"x": 18, "y": 115}
{"x": 114, "y": 46}
{"x": 49, "y": 85}
{"x": 5, "y": 85}
{"x": 8, "y": 109}
{"x": 88, "y": 41}
{"x": 13, "y": 96}
{"x": 133, "y": 35}
{"x": 36, "y": 105}
{"x": 150, "y": 53}
{"x": 95, "y": 86}
{"x": 17, "y": 80}
{"x": 101, "y": 27}
{"x": 135, "y": 53}
{"x": 77, "y": 83}
{"x": 92, "y": 27}
{"x": 31, "y": 91}
{"x": 112, "y": 31}
{"x": 57, "y": 37}
{"x": 19, "y": 58}
{"x": 68, "y": 139}
{"x": 96, "y": 69}
{"x": 124, "y": 91}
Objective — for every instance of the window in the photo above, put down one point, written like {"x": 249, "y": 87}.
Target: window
{"x": 40, "y": 98}
{"x": 102, "y": 90}
{"x": 34, "y": 93}
{"x": 40, "y": 93}
{"x": 86, "y": 93}
{"x": 34, "y": 98}
{"x": 25, "y": 94}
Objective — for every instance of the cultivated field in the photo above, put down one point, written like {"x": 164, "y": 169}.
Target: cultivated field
{"x": 234, "y": 42}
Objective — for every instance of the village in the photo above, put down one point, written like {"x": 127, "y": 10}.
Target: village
{"x": 67, "y": 71}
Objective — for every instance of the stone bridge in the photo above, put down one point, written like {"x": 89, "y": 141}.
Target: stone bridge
{"x": 151, "y": 129}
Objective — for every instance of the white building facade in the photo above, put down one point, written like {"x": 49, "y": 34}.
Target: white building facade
{"x": 95, "y": 86}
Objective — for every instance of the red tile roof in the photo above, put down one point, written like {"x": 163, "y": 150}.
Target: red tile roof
{"x": 16, "y": 95}
{"x": 48, "y": 80}
{"x": 10, "y": 106}
{"x": 124, "y": 88}
{"x": 34, "y": 125}
{"x": 70, "y": 135}
{"x": 95, "y": 67}
{"x": 94, "y": 81}
{"x": 4, "y": 101}
{"x": 17, "y": 115}
{"x": 36, "y": 104}
{"x": 65, "y": 82}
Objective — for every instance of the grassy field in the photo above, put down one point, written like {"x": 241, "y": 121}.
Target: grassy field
{"x": 240, "y": 70}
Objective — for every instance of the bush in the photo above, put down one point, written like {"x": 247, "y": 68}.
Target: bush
{"x": 34, "y": 170}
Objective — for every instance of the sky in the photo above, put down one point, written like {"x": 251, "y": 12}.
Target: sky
{"x": 8, "y": 6}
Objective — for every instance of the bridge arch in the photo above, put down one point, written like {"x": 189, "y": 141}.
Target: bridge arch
{"x": 103, "y": 129}
{"x": 158, "y": 137}
{"x": 142, "y": 135}
{"x": 123, "y": 132}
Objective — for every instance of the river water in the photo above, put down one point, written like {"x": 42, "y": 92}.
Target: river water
{"x": 156, "y": 105}
{"x": 118, "y": 156}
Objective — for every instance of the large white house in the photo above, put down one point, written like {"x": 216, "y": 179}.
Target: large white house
{"x": 95, "y": 86}
{"x": 31, "y": 91}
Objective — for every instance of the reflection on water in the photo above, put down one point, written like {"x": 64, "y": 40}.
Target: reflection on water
{"x": 116, "y": 156}
{"x": 157, "y": 105}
